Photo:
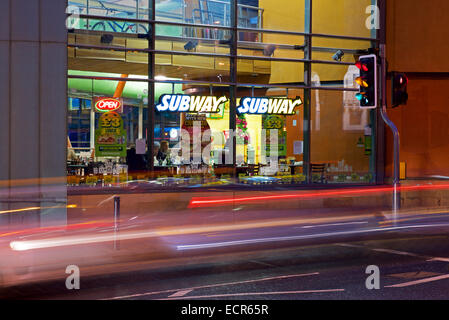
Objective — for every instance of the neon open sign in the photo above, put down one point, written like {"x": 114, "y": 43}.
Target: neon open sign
{"x": 108, "y": 105}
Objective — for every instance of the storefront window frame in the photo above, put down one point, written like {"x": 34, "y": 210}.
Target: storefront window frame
{"x": 233, "y": 57}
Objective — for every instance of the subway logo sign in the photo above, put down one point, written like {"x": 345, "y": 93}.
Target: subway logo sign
{"x": 281, "y": 106}
{"x": 210, "y": 104}
{"x": 185, "y": 103}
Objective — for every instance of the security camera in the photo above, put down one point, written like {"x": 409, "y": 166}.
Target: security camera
{"x": 269, "y": 50}
{"x": 107, "y": 38}
{"x": 227, "y": 41}
{"x": 191, "y": 45}
{"x": 338, "y": 55}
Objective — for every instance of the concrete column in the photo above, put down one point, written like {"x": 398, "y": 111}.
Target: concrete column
{"x": 33, "y": 91}
{"x": 4, "y": 108}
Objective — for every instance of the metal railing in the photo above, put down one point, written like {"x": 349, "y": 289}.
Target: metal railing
{"x": 215, "y": 13}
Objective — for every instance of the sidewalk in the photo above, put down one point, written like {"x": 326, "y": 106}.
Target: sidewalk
{"x": 425, "y": 192}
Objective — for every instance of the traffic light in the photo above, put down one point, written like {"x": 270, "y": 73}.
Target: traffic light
{"x": 399, "y": 95}
{"x": 367, "y": 81}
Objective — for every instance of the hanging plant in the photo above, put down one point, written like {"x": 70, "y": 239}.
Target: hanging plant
{"x": 242, "y": 129}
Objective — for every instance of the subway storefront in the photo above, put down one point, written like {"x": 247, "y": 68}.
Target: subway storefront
{"x": 216, "y": 92}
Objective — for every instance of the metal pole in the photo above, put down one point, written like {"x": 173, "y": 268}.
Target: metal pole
{"x": 396, "y": 182}
{"x": 233, "y": 77}
{"x": 116, "y": 221}
{"x": 307, "y": 92}
{"x": 151, "y": 87}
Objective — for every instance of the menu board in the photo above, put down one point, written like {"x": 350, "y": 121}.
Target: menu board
{"x": 110, "y": 137}
{"x": 275, "y": 122}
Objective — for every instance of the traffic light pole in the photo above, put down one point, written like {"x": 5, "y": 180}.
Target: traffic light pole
{"x": 396, "y": 181}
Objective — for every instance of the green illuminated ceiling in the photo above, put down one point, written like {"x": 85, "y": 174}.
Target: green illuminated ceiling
{"x": 133, "y": 90}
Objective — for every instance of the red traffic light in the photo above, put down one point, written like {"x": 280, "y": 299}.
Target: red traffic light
{"x": 361, "y": 66}
{"x": 399, "y": 89}
{"x": 400, "y": 79}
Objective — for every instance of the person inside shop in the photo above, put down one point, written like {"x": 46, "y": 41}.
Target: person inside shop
{"x": 156, "y": 148}
{"x": 163, "y": 152}
{"x": 136, "y": 162}
{"x": 71, "y": 155}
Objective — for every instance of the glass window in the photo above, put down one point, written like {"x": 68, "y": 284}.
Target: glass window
{"x": 199, "y": 85}
{"x": 270, "y": 135}
{"x": 285, "y": 15}
{"x": 345, "y": 18}
{"x": 348, "y": 156}
{"x": 79, "y": 122}
{"x": 128, "y": 9}
{"x": 105, "y": 126}
{"x": 191, "y": 128}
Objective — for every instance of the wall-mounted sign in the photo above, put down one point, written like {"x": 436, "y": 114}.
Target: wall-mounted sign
{"x": 282, "y": 106}
{"x": 277, "y": 123}
{"x": 185, "y": 103}
{"x": 110, "y": 137}
{"x": 108, "y": 104}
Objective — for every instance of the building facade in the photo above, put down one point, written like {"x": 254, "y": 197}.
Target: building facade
{"x": 416, "y": 44}
{"x": 178, "y": 92}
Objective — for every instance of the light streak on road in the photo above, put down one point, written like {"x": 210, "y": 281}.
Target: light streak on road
{"x": 205, "y": 202}
{"x": 70, "y": 206}
{"x": 300, "y": 237}
{"x": 412, "y": 283}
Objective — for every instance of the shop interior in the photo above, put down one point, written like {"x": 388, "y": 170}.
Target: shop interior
{"x": 108, "y": 103}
